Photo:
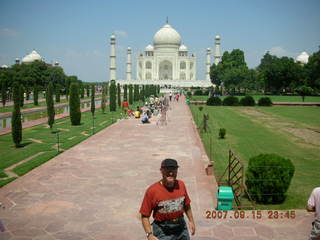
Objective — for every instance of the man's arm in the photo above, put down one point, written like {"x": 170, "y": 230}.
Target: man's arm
{"x": 147, "y": 227}
{"x": 311, "y": 209}
{"x": 192, "y": 226}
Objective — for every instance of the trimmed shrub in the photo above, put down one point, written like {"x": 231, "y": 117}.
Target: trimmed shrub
{"x": 50, "y": 105}
{"x": 125, "y": 92}
{"x": 268, "y": 178}
{"x": 247, "y": 101}
{"x": 119, "y": 95}
{"x": 130, "y": 94}
{"x": 35, "y": 95}
{"x": 198, "y": 92}
{"x": 16, "y": 125}
{"x": 200, "y": 108}
{"x": 93, "y": 102}
{"x": 22, "y": 90}
{"x": 214, "y": 101}
{"x": 74, "y": 104}
{"x": 113, "y": 101}
{"x": 231, "y": 101}
{"x": 189, "y": 94}
{"x": 103, "y": 99}
{"x": 58, "y": 91}
{"x": 222, "y": 133}
{"x": 265, "y": 101}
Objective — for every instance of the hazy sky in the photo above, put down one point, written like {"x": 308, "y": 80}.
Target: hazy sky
{"x": 77, "y": 33}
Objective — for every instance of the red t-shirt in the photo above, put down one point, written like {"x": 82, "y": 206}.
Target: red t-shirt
{"x": 165, "y": 204}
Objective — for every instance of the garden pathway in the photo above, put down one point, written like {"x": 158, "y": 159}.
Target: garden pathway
{"x": 93, "y": 191}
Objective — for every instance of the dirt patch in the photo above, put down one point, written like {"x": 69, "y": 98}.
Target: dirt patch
{"x": 256, "y": 113}
{"x": 308, "y": 136}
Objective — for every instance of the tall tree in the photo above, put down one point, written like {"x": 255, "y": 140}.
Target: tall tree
{"x": 22, "y": 91}
{"x": 136, "y": 92}
{"x": 119, "y": 95}
{"x": 312, "y": 70}
{"x": 113, "y": 89}
{"x": 93, "y": 103}
{"x": 125, "y": 92}
{"x": 35, "y": 95}
{"x": 3, "y": 92}
{"x": 130, "y": 94}
{"x": 142, "y": 93}
{"x": 74, "y": 104}
{"x": 103, "y": 99}
{"x": 16, "y": 125}
{"x": 50, "y": 105}
{"x": 58, "y": 92}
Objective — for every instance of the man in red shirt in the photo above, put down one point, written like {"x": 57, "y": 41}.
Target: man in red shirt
{"x": 167, "y": 200}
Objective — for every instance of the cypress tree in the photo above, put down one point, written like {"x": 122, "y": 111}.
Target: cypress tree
{"x": 16, "y": 125}
{"x": 93, "y": 103}
{"x": 113, "y": 104}
{"x": 142, "y": 93}
{"x": 119, "y": 95}
{"x": 22, "y": 89}
{"x": 74, "y": 104}
{"x": 103, "y": 99}
{"x": 88, "y": 90}
{"x": 58, "y": 93}
{"x": 3, "y": 93}
{"x": 136, "y": 93}
{"x": 130, "y": 94}
{"x": 82, "y": 91}
{"x": 125, "y": 92}
{"x": 50, "y": 104}
{"x": 35, "y": 95}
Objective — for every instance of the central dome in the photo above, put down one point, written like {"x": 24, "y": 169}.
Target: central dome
{"x": 167, "y": 36}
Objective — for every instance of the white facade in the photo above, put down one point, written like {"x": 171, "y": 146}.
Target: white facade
{"x": 167, "y": 59}
{"x": 303, "y": 58}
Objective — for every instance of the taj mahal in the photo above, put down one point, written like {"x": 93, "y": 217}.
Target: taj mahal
{"x": 166, "y": 62}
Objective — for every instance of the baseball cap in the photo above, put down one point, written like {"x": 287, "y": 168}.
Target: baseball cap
{"x": 169, "y": 162}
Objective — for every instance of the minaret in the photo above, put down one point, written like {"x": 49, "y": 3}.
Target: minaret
{"x": 113, "y": 68}
{"x": 208, "y": 64}
{"x": 129, "y": 64}
{"x": 217, "y": 56}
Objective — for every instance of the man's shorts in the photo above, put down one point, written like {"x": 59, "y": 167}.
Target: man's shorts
{"x": 315, "y": 231}
{"x": 169, "y": 230}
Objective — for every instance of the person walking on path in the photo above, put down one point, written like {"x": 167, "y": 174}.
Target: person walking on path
{"x": 314, "y": 206}
{"x": 168, "y": 200}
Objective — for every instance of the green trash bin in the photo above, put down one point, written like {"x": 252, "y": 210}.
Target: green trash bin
{"x": 225, "y": 197}
{"x": 188, "y": 101}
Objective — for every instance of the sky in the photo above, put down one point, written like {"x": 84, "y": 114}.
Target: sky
{"x": 77, "y": 33}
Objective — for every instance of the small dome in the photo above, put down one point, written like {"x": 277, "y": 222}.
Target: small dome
{"x": 303, "y": 58}
{"x": 167, "y": 36}
{"x": 113, "y": 37}
{"x": 183, "y": 48}
{"x": 149, "y": 48}
{"x": 4, "y": 66}
{"x": 33, "y": 56}
{"x": 217, "y": 37}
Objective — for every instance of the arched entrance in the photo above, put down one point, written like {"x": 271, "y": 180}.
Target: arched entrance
{"x": 165, "y": 70}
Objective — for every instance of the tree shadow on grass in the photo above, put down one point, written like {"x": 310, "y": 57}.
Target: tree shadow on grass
{"x": 22, "y": 145}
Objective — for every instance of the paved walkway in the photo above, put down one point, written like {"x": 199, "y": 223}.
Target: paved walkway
{"x": 94, "y": 190}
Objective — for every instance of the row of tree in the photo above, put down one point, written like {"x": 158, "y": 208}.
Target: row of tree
{"x": 136, "y": 93}
{"x": 273, "y": 75}
{"x": 35, "y": 78}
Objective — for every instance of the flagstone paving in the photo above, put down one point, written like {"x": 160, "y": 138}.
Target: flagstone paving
{"x": 93, "y": 191}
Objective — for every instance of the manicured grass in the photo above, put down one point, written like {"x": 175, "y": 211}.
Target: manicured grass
{"x": 41, "y": 139}
{"x": 6, "y": 181}
{"x": 273, "y": 98}
{"x": 300, "y": 114}
{"x": 247, "y": 136}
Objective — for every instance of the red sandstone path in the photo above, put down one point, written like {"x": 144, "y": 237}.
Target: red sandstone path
{"x": 93, "y": 191}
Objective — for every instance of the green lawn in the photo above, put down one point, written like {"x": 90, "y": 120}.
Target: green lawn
{"x": 40, "y": 139}
{"x": 249, "y": 135}
{"x": 273, "y": 98}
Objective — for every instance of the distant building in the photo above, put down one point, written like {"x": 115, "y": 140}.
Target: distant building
{"x": 303, "y": 58}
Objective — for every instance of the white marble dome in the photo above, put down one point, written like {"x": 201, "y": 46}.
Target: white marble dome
{"x": 303, "y": 58}
{"x": 183, "y": 48}
{"x": 33, "y": 56}
{"x": 167, "y": 36}
{"x": 149, "y": 48}
{"x": 217, "y": 37}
